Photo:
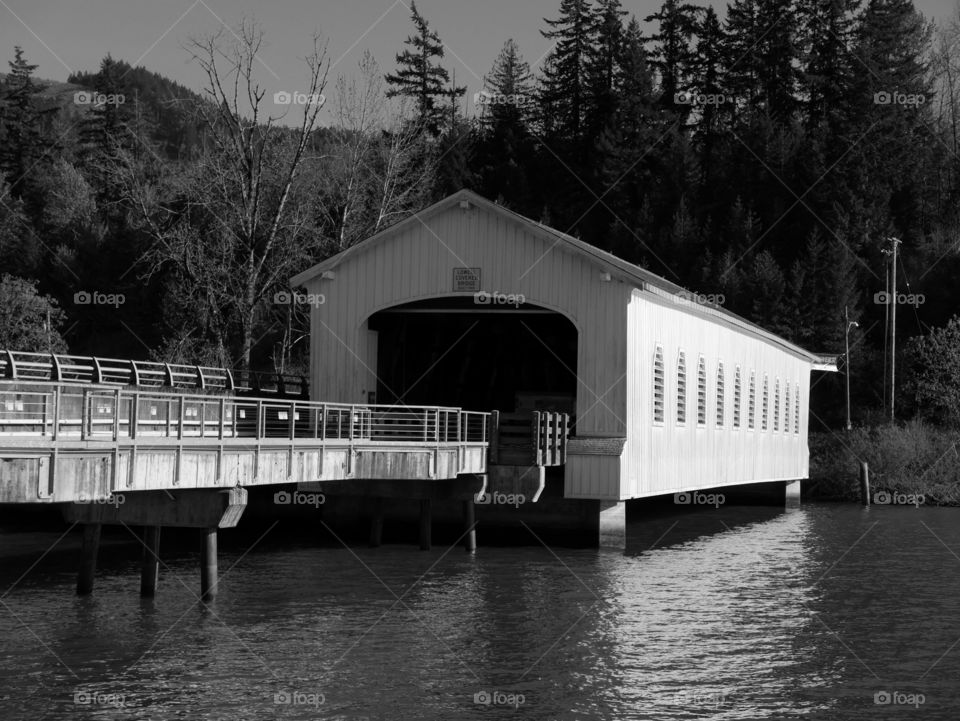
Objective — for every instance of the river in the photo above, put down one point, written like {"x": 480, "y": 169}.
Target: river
{"x": 830, "y": 611}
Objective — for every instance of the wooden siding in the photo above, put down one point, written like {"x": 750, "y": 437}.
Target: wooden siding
{"x": 417, "y": 263}
{"x": 668, "y": 457}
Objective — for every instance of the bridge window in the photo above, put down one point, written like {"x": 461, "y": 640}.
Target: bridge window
{"x": 776, "y": 406}
{"x": 736, "y": 399}
{"x": 765, "y": 410}
{"x": 701, "y": 392}
{"x": 752, "y": 406}
{"x": 658, "y": 385}
{"x": 796, "y": 411}
{"x": 786, "y": 408}
{"x": 720, "y": 399}
{"x": 681, "y": 388}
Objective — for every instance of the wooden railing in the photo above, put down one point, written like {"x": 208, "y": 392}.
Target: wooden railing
{"x": 18, "y": 365}
{"x": 535, "y": 438}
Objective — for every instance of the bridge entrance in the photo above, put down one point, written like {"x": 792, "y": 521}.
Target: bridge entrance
{"x": 509, "y": 357}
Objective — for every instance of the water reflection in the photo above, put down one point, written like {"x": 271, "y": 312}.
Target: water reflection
{"x": 730, "y": 613}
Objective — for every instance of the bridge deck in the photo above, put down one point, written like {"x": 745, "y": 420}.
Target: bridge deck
{"x": 82, "y": 442}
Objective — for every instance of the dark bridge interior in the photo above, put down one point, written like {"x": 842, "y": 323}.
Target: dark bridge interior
{"x": 451, "y": 351}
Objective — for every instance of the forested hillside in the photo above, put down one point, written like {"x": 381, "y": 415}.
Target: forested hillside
{"x": 764, "y": 157}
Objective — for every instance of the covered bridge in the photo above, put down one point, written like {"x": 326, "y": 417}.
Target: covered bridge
{"x": 467, "y": 303}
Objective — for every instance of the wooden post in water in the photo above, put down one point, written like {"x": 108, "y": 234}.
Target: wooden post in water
{"x": 208, "y": 565}
{"x": 470, "y": 526}
{"x": 864, "y": 483}
{"x": 88, "y": 558}
{"x": 150, "y": 561}
{"x": 376, "y": 523}
{"x": 425, "y": 523}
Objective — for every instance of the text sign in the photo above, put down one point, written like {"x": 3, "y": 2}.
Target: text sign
{"x": 466, "y": 280}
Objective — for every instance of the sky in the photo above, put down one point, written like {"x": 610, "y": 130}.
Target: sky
{"x": 62, "y": 36}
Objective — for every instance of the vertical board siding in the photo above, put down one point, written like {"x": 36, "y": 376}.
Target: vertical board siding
{"x": 666, "y": 458}
{"x": 417, "y": 263}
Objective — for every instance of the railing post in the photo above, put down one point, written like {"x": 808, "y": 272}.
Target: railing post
{"x": 261, "y": 420}
{"x": 84, "y": 401}
{"x": 56, "y": 412}
{"x": 116, "y": 415}
{"x": 293, "y": 415}
{"x": 180, "y": 424}
{"x": 223, "y": 416}
{"x": 135, "y": 414}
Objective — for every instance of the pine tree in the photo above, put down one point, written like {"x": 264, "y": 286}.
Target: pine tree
{"x": 24, "y": 143}
{"x": 505, "y": 152}
{"x": 108, "y": 126}
{"x": 762, "y": 55}
{"x": 673, "y": 55}
{"x": 603, "y": 64}
{"x": 421, "y": 77}
{"x": 827, "y": 28}
{"x": 564, "y": 90}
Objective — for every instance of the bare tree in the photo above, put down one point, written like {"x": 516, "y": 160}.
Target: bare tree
{"x": 230, "y": 229}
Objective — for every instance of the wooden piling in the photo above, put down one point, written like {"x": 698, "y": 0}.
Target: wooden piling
{"x": 376, "y": 523}
{"x": 470, "y": 526}
{"x": 88, "y": 558}
{"x": 208, "y": 565}
{"x": 150, "y": 561}
{"x": 864, "y": 483}
{"x": 426, "y": 520}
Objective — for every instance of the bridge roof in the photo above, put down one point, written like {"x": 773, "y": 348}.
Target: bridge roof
{"x": 640, "y": 278}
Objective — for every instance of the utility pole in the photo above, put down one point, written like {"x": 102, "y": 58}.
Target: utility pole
{"x": 892, "y": 300}
{"x": 848, "y": 324}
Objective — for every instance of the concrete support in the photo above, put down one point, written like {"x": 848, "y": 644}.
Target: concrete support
{"x": 613, "y": 525}
{"x": 376, "y": 523}
{"x": 426, "y": 521}
{"x": 150, "y": 561}
{"x": 208, "y": 565}
{"x": 88, "y": 558}
{"x": 792, "y": 494}
{"x": 470, "y": 526}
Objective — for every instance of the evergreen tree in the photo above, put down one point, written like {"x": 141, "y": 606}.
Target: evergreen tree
{"x": 24, "y": 142}
{"x": 506, "y": 149}
{"x": 827, "y": 29}
{"x": 564, "y": 92}
{"x": 603, "y": 64}
{"x": 762, "y": 55}
{"x": 673, "y": 55}
{"x": 421, "y": 77}
{"x": 108, "y": 126}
